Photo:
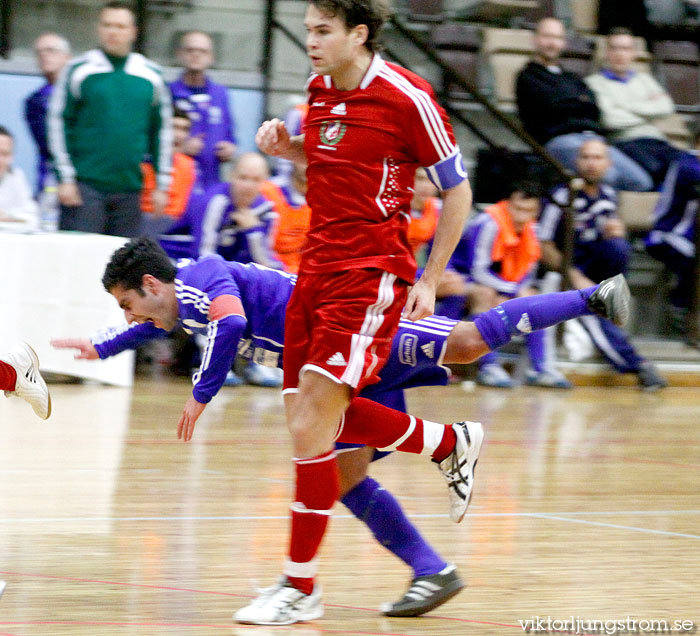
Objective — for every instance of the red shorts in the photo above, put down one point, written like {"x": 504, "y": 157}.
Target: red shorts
{"x": 341, "y": 325}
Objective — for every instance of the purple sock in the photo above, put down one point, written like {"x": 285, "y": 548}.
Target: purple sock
{"x": 383, "y": 515}
{"x": 537, "y": 349}
{"x": 531, "y": 313}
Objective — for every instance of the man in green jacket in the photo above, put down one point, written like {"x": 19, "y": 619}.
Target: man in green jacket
{"x": 109, "y": 110}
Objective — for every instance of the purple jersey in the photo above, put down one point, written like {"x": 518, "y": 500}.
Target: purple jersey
{"x": 415, "y": 360}
{"x": 259, "y": 336}
{"x": 676, "y": 211}
{"x": 590, "y": 215}
{"x": 208, "y": 108}
{"x": 472, "y": 257}
{"x": 35, "y": 108}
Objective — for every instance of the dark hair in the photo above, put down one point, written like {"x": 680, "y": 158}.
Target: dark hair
{"x": 527, "y": 189}
{"x": 180, "y": 114}
{"x": 138, "y": 257}
{"x": 619, "y": 30}
{"x": 120, "y": 4}
{"x": 372, "y": 13}
{"x": 7, "y": 133}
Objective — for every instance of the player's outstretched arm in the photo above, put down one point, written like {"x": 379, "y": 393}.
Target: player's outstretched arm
{"x": 189, "y": 417}
{"x": 85, "y": 350}
{"x": 273, "y": 139}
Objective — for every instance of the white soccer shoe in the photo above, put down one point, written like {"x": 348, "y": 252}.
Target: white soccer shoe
{"x": 281, "y": 604}
{"x": 458, "y": 467}
{"x": 30, "y": 385}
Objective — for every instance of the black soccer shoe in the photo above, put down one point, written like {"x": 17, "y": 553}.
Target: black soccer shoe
{"x": 426, "y": 593}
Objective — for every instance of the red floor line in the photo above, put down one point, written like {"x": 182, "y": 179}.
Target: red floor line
{"x": 181, "y": 589}
{"x": 155, "y": 587}
{"x": 280, "y": 629}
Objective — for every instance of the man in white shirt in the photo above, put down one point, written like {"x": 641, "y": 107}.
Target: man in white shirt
{"x": 631, "y": 103}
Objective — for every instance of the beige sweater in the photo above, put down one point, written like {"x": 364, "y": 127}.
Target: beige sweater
{"x": 628, "y": 109}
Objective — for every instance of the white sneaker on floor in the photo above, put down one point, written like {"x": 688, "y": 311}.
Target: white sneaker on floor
{"x": 458, "y": 467}
{"x": 281, "y": 604}
{"x": 30, "y": 385}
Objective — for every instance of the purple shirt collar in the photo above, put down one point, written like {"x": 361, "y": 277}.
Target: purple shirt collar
{"x": 607, "y": 73}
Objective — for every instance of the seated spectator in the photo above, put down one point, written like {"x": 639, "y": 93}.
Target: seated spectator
{"x": 497, "y": 258}
{"x": 425, "y": 211}
{"x": 212, "y": 140}
{"x": 247, "y": 216}
{"x": 600, "y": 251}
{"x": 233, "y": 218}
{"x": 52, "y": 54}
{"x": 559, "y": 110}
{"x": 182, "y": 180}
{"x": 293, "y": 214}
{"x": 18, "y": 210}
{"x": 672, "y": 238}
{"x": 631, "y": 102}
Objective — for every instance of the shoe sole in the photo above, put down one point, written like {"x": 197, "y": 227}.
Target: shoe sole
{"x": 450, "y": 591}
{"x": 307, "y": 617}
{"x": 477, "y": 439}
{"x": 35, "y": 361}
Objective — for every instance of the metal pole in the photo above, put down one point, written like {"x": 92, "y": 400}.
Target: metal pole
{"x": 5, "y": 17}
{"x": 266, "y": 61}
{"x": 141, "y": 39}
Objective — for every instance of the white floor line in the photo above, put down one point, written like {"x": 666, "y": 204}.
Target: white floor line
{"x": 615, "y": 525}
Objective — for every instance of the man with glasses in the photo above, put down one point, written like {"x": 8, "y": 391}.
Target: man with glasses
{"x": 52, "y": 54}
{"x": 212, "y": 140}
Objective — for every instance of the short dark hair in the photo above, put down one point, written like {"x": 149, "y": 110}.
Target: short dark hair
{"x": 527, "y": 189}
{"x": 6, "y": 132}
{"x": 120, "y": 4}
{"x": 372, "y": 13}
{"x": 138, "y": 257}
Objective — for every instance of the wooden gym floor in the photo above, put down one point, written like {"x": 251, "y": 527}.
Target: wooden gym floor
{"x": 586, "y": 505}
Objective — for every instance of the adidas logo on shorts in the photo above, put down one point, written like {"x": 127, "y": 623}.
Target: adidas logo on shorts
{"x": 336, "y": 360}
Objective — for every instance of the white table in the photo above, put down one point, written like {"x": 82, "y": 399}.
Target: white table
{"x": 50, "y": 287}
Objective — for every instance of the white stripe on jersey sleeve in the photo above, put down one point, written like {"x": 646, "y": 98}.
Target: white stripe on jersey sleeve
{"x": 430, "y": 116}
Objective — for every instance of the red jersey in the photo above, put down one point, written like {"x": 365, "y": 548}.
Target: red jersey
{"x": 363, "y": 147}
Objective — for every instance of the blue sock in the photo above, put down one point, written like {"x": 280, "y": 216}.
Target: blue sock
{"x": 383, "y": 515}
{"x": 531, "y": 313}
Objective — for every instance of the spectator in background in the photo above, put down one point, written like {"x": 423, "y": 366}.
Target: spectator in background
{"x": 52, "y": 54}
{"x": 425, "y": 211}
{"x": 108, "y": 110}
{"x": 245, "y": 215}
{"x": 293, "y": 215}
{"x": 212, "y": 141}
{"x": 559, "y": 110}
{"x": 631, "y": 102}
{"x": 497, "y": 258}
{"x": 18, "y": 210}
{"x": 600, "y": 251}
{"x": 183, "y": 177}
{"x": 672, "y": 238}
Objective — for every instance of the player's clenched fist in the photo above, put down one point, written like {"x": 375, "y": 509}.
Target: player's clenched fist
{"x": 272, "y": 138}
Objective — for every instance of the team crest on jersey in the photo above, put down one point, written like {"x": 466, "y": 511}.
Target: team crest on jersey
{"x": 332, "y": 132}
